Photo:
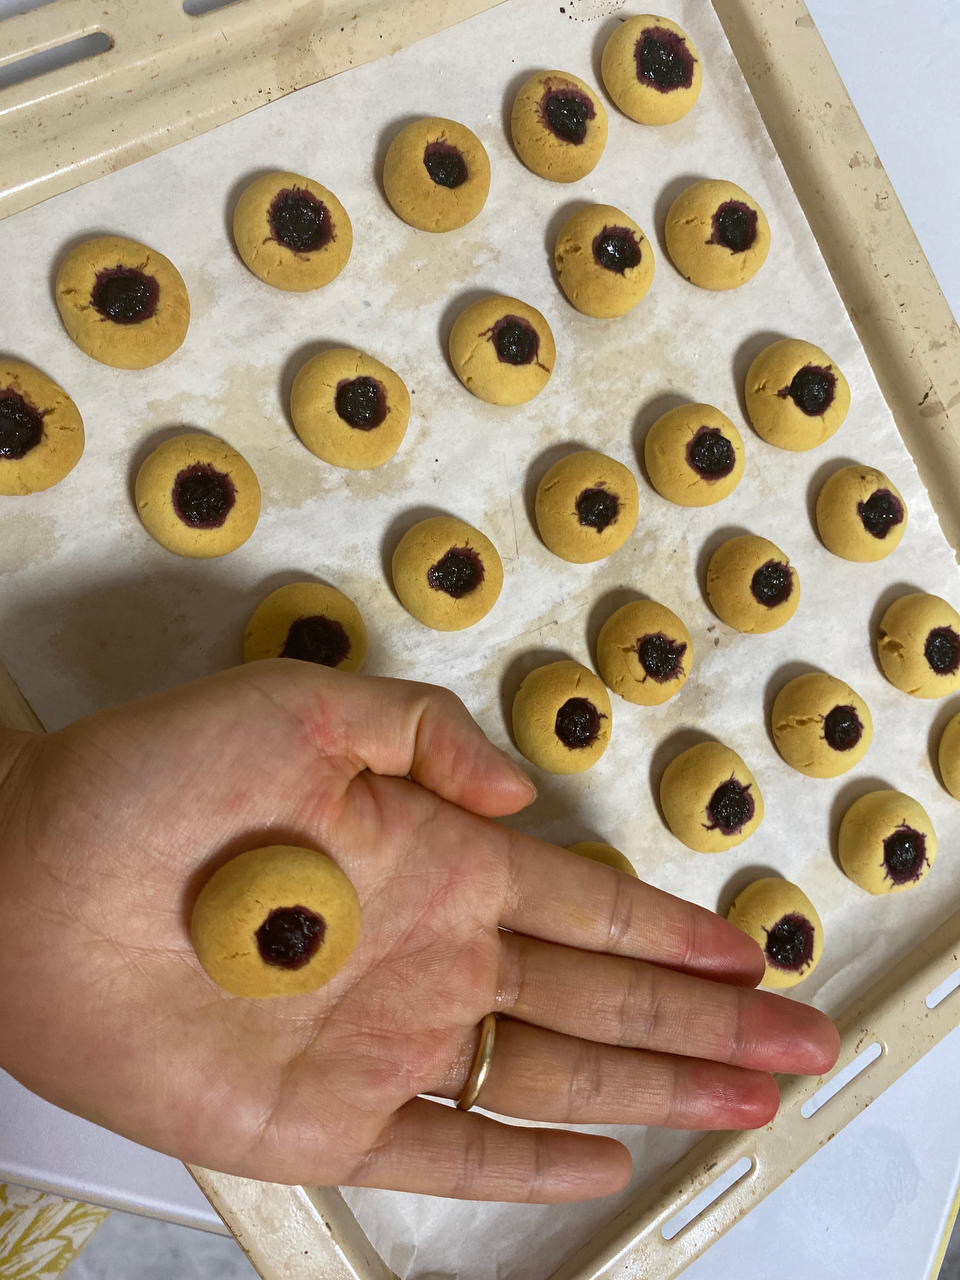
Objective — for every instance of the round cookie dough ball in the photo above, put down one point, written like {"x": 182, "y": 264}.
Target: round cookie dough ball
{"x": 197, "y": 496}
{"x": 41, "y": 431}
{"x": 796, "y": 396}
{"x": 559, "y": 126}
{"x": 502, "y": 350}
{"x": 860, "y": 515}
{"x": 349, "y": 409}
{"x": 291, "y": 232}
{"x": 820, "y": 726}
{"x": 651, "y": 70}
{"x": 886, "y": 842}
{"x": 948, "y": 757}
{"x": 122, "y": 303}
{"x": 436, "y": 175}
{"x": 279, "y": 921}
{"x": 597, "y": 851}
{"x": 562, "y": 717}
{"x": 447, "y": 574}
{"x": 694, "y": 455}
{"x": 644, "y": 653}
{"x": 781, "y": 918}
{"x": 710, "y": 799}
{"x": 918, "y": 645}
{"x": 604, "y": 261}
{"x": 751, "y": 584}
{"x": 309, "y": 621}
{"x": 586, "y": 506}
{"x": 717, "y": 236}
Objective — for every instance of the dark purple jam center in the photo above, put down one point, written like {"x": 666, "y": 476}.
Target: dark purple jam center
{"x": 125, "y": 295}
{"x": 516, "y": 341}
{"x": 361, "y": 402}
{"x": 577, "y": 723}
{"x": 881, "y": 511}
{"x": 203, "y": 496}
{"x": 299, "y": 220}
{"x": 942, "y": 650}
{"x": 734, "y": 226}
{"x": 730, "y": 808}
{"x": 290, "y": 937}
{"x": 597, "y": 508}
{"x": 458, "y": 572}
{"x": 317, "y": 638}
{"x": 445, "y": 164}
{"x": 790, "y": 942}
{"x": 905, "y": 854}
{"x": 566, "y": 113}
{"x": 772, "y": 583}
{"x": 842, "y": 728}
{"x": 616, "y": 249}
{"x": 21, "y": 426}
{"x": 711, "y": 454}
{"x": 663, "y": 60}
{"x": 811, "y": 390}
{"x": 660, "y": 657}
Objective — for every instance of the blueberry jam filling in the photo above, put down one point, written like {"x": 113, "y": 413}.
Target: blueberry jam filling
{"x": 734, "y": 226}
{"x": 21, "y": 426}
{"x": 290, "y": 937}
{"x": 663, "y": 60}
{"x": 942, "y": 650}
{"x": 361, "y": 402}
{"x": 812, "y": 389}
{"x": 516, "y": 341}
{"x": 203, "y": 496}
{"x": 616, "y": 249}
{"x": 458, "y": 572}
{"x": 445, "y": 164}
{"x": 905, "y": 854}
{"x": 597, "y": 508}
{"x": 842, "y": 728}
{"x": 790, "y": 942}
{"x": 730, "y": 808}
{"x": 566, "y": 113}
{"x": 125, "y": 295}
{"x": 711, "y": 454}
{"x": 881, "y": 511}
{"x": 577, "y": 724}
{"x": 660, "y": 657}
{"x": 317, "y": 638}
{"x": 299, "y": 220}
{"x": 772, "y": 583}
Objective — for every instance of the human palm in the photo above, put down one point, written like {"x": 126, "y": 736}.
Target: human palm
{"x": 621, "y": 1004}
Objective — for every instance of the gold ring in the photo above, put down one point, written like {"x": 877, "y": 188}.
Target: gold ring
{"x": 481, "y": 1063}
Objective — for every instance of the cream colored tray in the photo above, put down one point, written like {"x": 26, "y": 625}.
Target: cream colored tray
{"x": 902, "y": 321}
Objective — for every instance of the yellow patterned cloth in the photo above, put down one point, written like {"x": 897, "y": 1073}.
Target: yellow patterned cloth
{"x": 40, "y": 1235}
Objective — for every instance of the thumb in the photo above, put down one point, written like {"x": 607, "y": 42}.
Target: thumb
{"x": 400, "y": 728}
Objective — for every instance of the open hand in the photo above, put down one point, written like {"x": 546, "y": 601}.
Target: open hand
{"x": 620, "y": 1003}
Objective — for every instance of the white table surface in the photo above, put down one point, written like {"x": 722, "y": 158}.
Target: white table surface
{"x": 873, "y": 1204}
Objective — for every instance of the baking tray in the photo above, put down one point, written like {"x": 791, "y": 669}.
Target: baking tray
{"x": 910, "y": 339}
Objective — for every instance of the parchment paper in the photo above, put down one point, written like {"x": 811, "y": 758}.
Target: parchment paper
{"x": 93, "y": 612}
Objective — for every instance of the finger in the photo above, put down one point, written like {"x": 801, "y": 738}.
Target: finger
{"x": 400, "y": 728}
{"x": 543, "y": 1075}
{"x": 436, "y": 1150}
{"x": 628, "y": 1002}
{"x": 562, "y": 897}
